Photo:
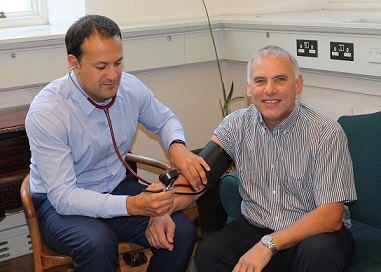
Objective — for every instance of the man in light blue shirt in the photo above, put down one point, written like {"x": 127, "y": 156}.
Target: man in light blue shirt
{"x": 84, "y": 200}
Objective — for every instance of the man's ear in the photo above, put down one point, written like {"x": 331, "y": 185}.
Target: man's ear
{"x": 72, "y": 60}
{"x": 299, "y": 83}
{"x": 248, "y": 90}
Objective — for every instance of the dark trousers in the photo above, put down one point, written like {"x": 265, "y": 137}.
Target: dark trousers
{"x": 93, "y": 242}
{"x": 327, "y": 252}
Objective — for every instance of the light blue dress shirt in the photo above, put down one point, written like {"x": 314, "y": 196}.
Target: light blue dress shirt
{"x": 73, "y": 158}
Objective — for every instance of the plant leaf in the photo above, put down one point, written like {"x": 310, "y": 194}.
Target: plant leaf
{"x": 236, "y": 98}
{"x": 230, "y": 92}
{"x": 222, "y": 108}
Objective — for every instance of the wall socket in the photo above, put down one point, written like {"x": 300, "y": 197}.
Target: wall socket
{"x": 307, "y": 48}
{"x": 374, "y": 53}
{"x": 342, "y": 51}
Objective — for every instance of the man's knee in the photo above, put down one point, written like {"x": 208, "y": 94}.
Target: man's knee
{"x": 100, "y": 243}
{"x": 211, "y": 255}
{"x": 328, "y": 249}
{"x": 325, "y": 244}
{"x": 95, "y": 239}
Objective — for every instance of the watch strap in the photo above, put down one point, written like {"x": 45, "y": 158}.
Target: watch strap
{"x": 273, "y": 248}
{"x": 177, "y": 141}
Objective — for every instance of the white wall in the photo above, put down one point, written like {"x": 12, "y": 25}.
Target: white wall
{"x": 148, "y": 12}
{"x": 276, "y": 6}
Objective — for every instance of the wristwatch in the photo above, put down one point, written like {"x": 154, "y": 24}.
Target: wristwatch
{"x": 268, "y": 242}
{"x": 177, "y": 141}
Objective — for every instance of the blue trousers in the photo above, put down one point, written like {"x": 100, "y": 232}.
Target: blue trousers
{"x": 93, "y": 242}
{"x": 326, "y": 252}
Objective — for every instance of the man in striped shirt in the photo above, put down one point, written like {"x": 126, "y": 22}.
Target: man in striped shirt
{"x": 295, "y": 176}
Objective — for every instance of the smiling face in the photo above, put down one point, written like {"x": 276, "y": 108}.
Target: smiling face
{"x": 272, "y": 88}
{"x": 100, "y": 67}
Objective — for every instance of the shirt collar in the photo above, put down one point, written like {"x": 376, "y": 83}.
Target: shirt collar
{"x": 80, "y": 96}
{"x": 286, "y": 124}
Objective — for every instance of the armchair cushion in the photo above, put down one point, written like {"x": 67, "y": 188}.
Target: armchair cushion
{"x": 367, "y": 250}
{"x": 230, "y": 197}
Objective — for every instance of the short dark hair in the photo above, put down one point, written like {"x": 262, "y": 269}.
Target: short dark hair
{"x": 84, "y": 28}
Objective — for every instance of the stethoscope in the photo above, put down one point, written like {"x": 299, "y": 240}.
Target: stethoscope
{"x": 167, "y": 177}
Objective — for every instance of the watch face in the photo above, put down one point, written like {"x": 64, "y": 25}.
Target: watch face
{"x": 266, "y": 239}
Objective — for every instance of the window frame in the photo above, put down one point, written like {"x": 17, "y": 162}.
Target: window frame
{"x": 37, "y": 16}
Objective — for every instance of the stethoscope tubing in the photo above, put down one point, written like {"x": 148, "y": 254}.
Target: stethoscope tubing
{"x": 105, "y": 109}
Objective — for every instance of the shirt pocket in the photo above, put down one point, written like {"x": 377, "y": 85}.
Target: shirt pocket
{"x": 299, "y": 191}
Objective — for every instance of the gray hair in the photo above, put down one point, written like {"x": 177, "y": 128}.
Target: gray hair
{"x": 272, "y": 51}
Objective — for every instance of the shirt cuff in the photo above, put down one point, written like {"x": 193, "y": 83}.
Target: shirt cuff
{"x": 116, "y": 205}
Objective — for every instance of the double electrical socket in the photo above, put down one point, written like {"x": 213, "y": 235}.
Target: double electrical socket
{"x": 342, "y": 51}
{"x": 307, "y": 48}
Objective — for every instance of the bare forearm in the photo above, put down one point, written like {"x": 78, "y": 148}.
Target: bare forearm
{"x": 181, "y": 202}
{"x": 326, "y": 218}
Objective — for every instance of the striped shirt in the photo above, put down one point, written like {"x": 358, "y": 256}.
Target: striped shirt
{"x": 288, "y": 172}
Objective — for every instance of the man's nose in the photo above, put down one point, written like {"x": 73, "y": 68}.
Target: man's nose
{"x": 270, "y": 88}
{"x": 111, "y": 73}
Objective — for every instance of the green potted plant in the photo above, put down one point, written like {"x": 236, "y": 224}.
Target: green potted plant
{"x": 212, "y": 216}
{"x": 228, "y": 98}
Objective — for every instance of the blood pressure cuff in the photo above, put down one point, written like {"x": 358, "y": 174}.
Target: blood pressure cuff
{"x": 218, "y": 161}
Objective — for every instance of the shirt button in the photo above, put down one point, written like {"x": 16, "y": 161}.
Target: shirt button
{"x": 276, "y": 218}
{"x": 274, "y": 192}
{"x": 272, "y": 166}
